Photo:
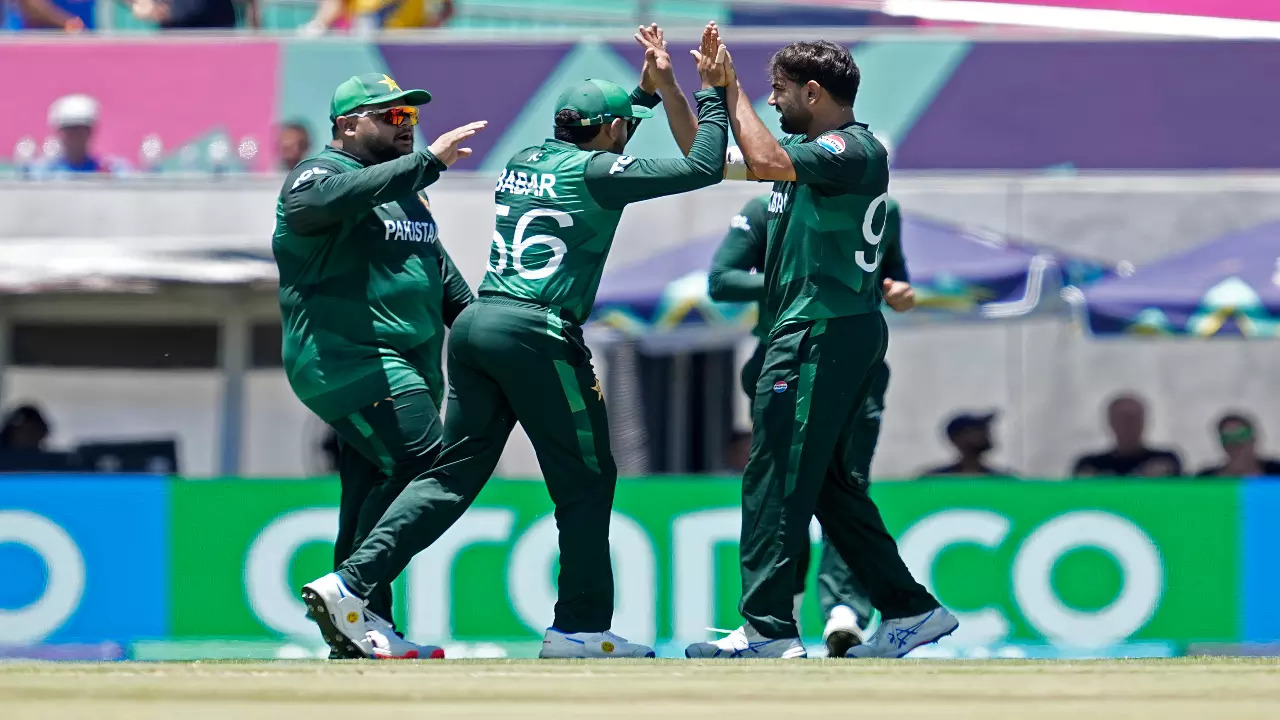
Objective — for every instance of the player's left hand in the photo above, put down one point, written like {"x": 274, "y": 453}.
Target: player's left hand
{"x": 656, "y": 73}
{"x": 899, "y": 295}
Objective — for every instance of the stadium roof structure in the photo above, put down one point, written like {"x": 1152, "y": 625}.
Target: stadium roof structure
{"x": 113, "y": 265}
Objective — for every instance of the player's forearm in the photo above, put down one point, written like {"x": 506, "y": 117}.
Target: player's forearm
{"x": 645, "y": 179}
{"x": 334, "y": 197}
{"x": 894, "y": 267}
{"x": 706, "y": 151}
{"x": 764, "y": 156}
{"x": 734, "y": 285}
{"x": 680, "y": 116}
{"x": 894, "y": 264}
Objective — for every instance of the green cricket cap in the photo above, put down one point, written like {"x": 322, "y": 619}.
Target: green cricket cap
{"x": 372, "y": 89}
{"x": 599, "y": 102}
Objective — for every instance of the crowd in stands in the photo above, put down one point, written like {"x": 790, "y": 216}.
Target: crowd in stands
{"x": 25, "y": 432}
{"x": 1129, "y": 455}
{"x": 69, "y": 152}
{"x": 361, "y": 17}
{"x": 973, "y": 441}
{"x": 78, "y": 16}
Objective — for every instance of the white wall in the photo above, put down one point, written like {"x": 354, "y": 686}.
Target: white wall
{"x": 86, "y": 405}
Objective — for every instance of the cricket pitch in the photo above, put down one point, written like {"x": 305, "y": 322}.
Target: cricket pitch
{"x": 517, "y": 689}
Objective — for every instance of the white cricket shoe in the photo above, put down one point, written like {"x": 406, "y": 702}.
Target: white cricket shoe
{"x": 388, "y": 645}
{"x": 745, "y": 642}
{"x": 556, "y": 644}
{"x": 897, "y": 637}
{"x": 340, "y": 614}
{"x": 842, "y": 631}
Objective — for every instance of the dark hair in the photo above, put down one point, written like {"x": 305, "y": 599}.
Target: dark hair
{"x": 18, "y": 416}
{"x": 568, "y": 130}
{"x": 827, "y": 63}
{"x": 1235, "y": 417}
{"x": 1126, "y": 396}
{"x": 297, "y": 125}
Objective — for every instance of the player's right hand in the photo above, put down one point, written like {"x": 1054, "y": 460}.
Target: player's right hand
{"x": 898, "y": 295}
{"x": 712, "y": 58}
{"x": 446, "y": 146}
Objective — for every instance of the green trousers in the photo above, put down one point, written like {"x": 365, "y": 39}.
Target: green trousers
{"x": 381, "y": 447}
{"x": 366, "y": 494}
{"x": 808, "y": 410}
{"x": 509, "y": 362}
{"x": 837, "y": 585}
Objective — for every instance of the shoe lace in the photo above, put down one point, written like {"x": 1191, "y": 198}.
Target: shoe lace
{"x": 376, "y": 622}
{"x": 737, "y": 636}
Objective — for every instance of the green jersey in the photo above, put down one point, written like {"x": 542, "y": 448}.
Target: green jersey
{"x": 735, "y": 275}
{"x": 366, "y": 289}
{"x": 558, "y": 208}
{"x": 825, "y": 228}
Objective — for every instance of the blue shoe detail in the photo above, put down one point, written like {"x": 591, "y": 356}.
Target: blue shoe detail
{"x": 908, "y": 632}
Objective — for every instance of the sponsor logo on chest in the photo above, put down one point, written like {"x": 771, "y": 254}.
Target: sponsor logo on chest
{"x": 778, "y": 202}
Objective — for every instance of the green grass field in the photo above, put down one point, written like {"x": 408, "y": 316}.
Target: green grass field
{"x": 1081, "y": 690}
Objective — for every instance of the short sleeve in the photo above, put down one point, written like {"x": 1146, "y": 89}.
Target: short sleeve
{"x": 834, "y": 160}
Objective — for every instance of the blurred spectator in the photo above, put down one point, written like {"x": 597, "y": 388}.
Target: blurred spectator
{"x": 365, "y": 16}
{"x": 68, "y": 15}
{"x": 738, "y": 450}
{"x": 24, "y": 429}
{"x": 293, "y": 145}
{"x": 195, "y": 14}
{"x": 22, "y": 444}
{"x": 971, "y": 436}
{"x": 330, "y": 449}
{"x": 1127, "y": 417}
{"x": 73, "y": 119}
{"x": 1239, "y": 441}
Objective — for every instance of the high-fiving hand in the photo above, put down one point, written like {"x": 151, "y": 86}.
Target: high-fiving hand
{"x": 712, "y": 58}
{"x": 656, "y": 73}
{"x": 446, "y": 149}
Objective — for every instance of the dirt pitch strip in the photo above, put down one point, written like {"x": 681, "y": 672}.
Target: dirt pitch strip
{"x": 1219, "y": 689}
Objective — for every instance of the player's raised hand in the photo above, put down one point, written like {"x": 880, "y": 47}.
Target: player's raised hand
{"x": 446, "y": 146}
{"x": 898, "y": 295}
{"x": 712, "y": 57}
{"x": 656, "y": 73}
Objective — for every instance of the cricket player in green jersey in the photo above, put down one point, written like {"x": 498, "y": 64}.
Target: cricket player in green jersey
{"x": 366, "y": 290}
{"x": 735, "y": 277}
{"x": 827, "y": 218}
{"x": 517, "y": 353}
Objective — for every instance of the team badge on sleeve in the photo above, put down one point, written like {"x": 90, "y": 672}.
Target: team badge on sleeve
{"x": 832, "y": 143}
